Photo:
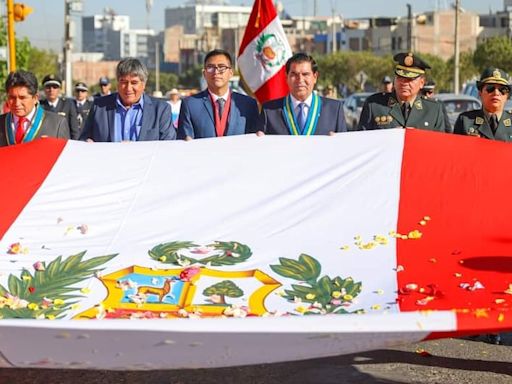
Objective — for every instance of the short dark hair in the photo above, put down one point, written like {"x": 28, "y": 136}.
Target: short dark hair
{"x": 132, "y": 67}
{"x": 301, "y": 57}
{"x": 22, "y": 78}
{"x": 217, "y": 52}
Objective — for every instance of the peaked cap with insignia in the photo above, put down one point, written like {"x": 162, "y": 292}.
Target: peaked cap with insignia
{"x": 493, "y": 75}
{"x": 52, "y": 80}
{"x": 409, "y": 65}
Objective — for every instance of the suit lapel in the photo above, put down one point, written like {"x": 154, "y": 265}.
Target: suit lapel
{"x": 396, "y": 113}
{"x": 482, "y": 125}
{"x": 208, "y": 106}
{"x": 504, "y": 131}
{"x": 234, "y": 118}
{"x": 148, "y": 117}
{"x": 111, "y": 120}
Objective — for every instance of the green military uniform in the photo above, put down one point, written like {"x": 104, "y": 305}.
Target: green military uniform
{"x": 477, "y": 122}
{"x": 383, "y": 110}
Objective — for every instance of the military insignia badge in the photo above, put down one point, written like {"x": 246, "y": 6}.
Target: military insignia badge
{"x": 496, "y": 74}
{"x": 479, "y": 121}
{"x": 389, "y": 119}
{"x": 391, "y": 102}
{"x": 418, "y": 104}
{"x": 507, "y": 122}
{"x": 409, "y": 60}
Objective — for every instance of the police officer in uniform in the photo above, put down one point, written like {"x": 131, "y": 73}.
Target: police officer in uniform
{"x": 82, "y": 103}
{"x": 492, "y": 121}
{"x": 404, "y": 107}
{"x": 60, "y": 105}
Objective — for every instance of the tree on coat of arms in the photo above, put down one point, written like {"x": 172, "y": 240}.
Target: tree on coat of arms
{"x": 218, "y": 292}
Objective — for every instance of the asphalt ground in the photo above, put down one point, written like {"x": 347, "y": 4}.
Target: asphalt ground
{"x": 448, "y": 361}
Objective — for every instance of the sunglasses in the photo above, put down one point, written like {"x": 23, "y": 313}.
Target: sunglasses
{"x": 51, "y": 86}
{"x": 212, "y": 68}
{"x": 504, "y": 90}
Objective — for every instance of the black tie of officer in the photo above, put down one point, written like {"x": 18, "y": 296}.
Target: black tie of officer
{"x": 406, "y": 109}
{"x": 493, "y": 123}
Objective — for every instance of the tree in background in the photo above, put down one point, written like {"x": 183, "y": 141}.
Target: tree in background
{"x": 495, "y": 52}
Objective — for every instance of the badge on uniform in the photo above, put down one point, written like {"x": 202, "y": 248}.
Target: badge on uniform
{"x": 418, "y": 104}
{"x": 383, "y": 120}
{"x": 62, "y": 113}
{"x": 474, "y": 132}
{"x": 391, "y": 102}
{"x": 507, "y": 122}
{"x": 479, "y": 121}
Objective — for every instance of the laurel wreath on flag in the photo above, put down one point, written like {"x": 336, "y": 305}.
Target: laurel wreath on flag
{"x": 260, "y": 48}
{"x": 227, "y": 253}
{"x": 49, "y": 292}
{"x": 325, "y": 295}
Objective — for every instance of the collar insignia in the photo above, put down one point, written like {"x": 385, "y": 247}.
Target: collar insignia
{"x": 479, "y": 120}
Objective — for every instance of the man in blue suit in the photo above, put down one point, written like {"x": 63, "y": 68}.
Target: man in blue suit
{"x": 302, "y": 112}
{"x": 217, "y": 111}
{"x": 129, "y": 114}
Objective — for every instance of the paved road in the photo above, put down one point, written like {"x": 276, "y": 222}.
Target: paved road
{"x": 452, "y": 361}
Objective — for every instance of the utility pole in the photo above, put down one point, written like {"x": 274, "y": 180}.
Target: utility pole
{"x": 333, "y": 14}
{"x": 157, "y": 66}
{"x": 68, "y": 46}
{"x": 456, "y": 54}
{"x": 409, "y": 27}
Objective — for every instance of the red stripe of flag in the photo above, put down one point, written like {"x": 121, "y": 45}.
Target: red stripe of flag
{"x": 262, "y": 14}
{"x": 273, "y": 88}
{"x": 463, "y": 261}
{"x": 23, "y": 169}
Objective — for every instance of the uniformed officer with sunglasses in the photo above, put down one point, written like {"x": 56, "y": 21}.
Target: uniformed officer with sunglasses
{"x": 492, "y": 121}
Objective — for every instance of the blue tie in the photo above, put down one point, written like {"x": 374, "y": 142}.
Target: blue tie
{"x": 300, "y": 117}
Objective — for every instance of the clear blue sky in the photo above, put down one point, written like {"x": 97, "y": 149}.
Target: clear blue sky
{"x": 45, "y": 26}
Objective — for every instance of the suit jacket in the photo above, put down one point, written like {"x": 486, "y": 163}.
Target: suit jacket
{"x": 82, "y": 112}
{"x": 474, "y": 123}
{"x": 65, "y": 107}
{"x": 197, "y": 118}
{"x": 383, "y": 110}
{"x": 53, "y": 125}
{"x": 156, "y": 120}
{"x": 332, "y": 118}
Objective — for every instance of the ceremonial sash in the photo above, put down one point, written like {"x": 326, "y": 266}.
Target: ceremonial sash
{"x": 32, "y": 130}
{"x": 221, "y": 122}
{"x": 312, "y": 118}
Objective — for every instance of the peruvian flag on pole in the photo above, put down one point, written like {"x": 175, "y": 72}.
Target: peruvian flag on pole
{"x": 264, "y": 52}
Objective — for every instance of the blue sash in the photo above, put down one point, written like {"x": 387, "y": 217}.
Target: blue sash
{"x": 32, "y": 130}
{"x": 311, "y": 121}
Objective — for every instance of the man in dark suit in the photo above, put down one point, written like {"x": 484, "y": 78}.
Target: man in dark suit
{"x": 55, "y": 103}
{"x": 82, "y": 103}
{"x": 129, "y": 114}
{"x": 26, "y": 120}
{"x": 217, "y": 111}
{"x": 492, "y": 121}
{"x": 404, "y": 107}
{"x": 302, "y": 112}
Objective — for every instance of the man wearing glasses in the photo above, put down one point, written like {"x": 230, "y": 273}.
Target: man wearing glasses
{"x": 404, "y": 107}
{"x": 217, "y": 111}
{"x": 129, "y": 114}
{"x": 62, "y": 106}
{"x": 491, "y": 121}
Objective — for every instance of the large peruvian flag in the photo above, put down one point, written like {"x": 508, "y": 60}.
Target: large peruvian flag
{"x": 264, "y": 52}
{"x": 246, "y": 249}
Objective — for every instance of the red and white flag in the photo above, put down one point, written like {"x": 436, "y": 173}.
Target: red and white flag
{"x": 264, "y": 52}
{"x": 247, "y": 250}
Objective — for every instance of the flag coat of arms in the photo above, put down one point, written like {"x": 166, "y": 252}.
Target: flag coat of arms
{"x": 263, "y": 53}
{"x": 247, "y": 250}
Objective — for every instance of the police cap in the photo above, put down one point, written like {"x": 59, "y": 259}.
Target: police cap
{"x": 81, "y": 86}
{"x": 493, "y": 75}
{"x": 409, "y": 65}
{"x": 52, "y": 80}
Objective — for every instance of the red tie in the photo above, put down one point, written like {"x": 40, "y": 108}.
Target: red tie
{"x": 20, "y": 129}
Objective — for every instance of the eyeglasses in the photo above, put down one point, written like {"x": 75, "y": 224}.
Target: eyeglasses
{"x": 504, "y": 90}
{"x": 51, "y": 86}
{"x": 212, "y": 68}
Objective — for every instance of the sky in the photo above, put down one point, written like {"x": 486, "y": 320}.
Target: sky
{"x": 45, "y": 26}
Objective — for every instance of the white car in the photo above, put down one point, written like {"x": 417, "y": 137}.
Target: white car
{"x": 456, "y": 104}
{"x": 352, "y": 107}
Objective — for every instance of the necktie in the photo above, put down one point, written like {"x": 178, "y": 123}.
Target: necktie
{"x": 20, "y": 129}
{"x": 300, "y": 117}
{"x": 493, "y": 123}
{"x": 406, "y": 109}
{"x": 220, "y": 103}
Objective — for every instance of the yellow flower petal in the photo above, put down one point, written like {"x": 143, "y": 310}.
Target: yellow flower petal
{"x": 85, "y": 290}
{"x": 310, "y": 296}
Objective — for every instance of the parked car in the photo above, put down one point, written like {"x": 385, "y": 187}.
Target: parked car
{"x": 456, "y": 104}
{"x": 352, "y": 107}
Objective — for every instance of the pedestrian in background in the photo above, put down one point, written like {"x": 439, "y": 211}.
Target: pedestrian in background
{"x": 386, "y": 85}
{"x": 63, "y": 106}
{"x": 175, "y": 103}
{"x": 82, "y": 103}
{"x": 105, "y": 87}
